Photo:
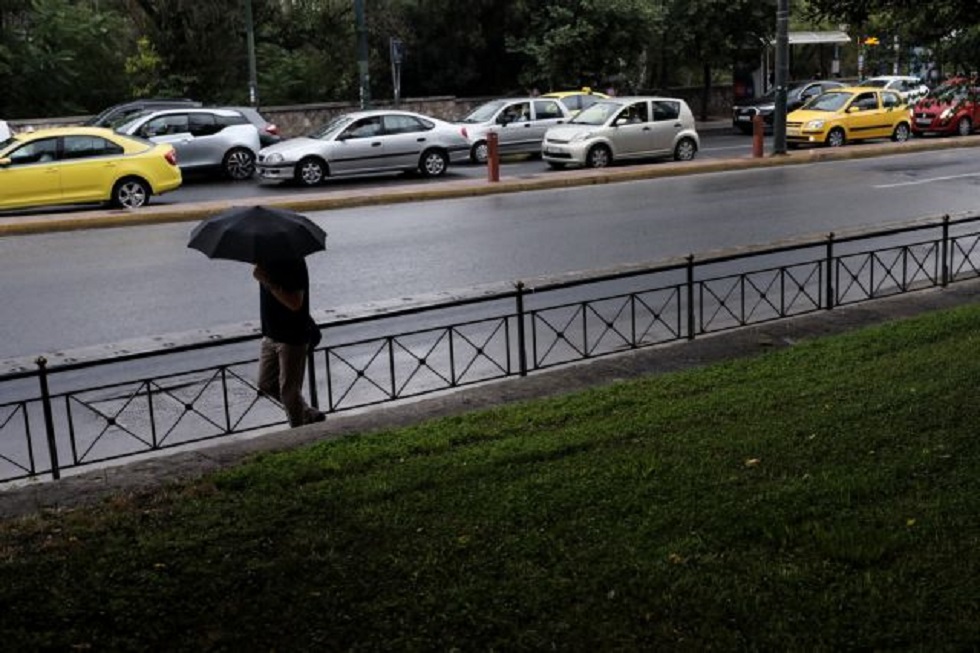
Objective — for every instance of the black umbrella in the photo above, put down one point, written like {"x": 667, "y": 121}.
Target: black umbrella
{"x": 254, "y": 234}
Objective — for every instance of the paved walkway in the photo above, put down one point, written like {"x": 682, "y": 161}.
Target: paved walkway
{"x": 144, "y": 475}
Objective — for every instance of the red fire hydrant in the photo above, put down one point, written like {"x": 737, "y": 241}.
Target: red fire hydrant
{"x": 493, "y": 156}
{"x": 758, "y": 133}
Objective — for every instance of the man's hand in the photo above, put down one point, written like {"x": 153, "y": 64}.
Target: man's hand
{"x": 291, "y": 299}
{"x": 261, "y": 275}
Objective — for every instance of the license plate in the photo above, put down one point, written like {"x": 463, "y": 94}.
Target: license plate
{"x": 745, "y": 118}
{"x": 923, "y": 121}
{"x": 549, "y": 150}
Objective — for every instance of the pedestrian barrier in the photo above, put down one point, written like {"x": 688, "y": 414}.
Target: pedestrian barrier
{"x": 75, "y": 415}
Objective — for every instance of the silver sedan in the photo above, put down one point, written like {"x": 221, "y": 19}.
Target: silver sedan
{"x": 366, "y": 142}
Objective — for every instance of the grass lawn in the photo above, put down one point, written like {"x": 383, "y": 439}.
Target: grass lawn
{"x": 825, "y": 497}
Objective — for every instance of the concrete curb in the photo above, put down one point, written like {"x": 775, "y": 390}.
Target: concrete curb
{"x": 99, "y": 219}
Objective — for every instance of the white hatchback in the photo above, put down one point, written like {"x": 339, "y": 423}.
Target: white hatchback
{"x": 622, "y": 128}
{"x": 910, "y": 88}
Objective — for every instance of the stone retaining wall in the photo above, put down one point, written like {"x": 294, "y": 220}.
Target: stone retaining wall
{"x": 299, "y": 119}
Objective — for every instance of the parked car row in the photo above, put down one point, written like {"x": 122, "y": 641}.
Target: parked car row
{"x": 828, "y": 113}
{"x": 78, "y": 165}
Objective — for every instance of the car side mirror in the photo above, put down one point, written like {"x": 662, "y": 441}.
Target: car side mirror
{"x": 503, "y": 120}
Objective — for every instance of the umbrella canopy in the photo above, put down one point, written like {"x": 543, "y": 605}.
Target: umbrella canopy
{"x": 256, "y": 234}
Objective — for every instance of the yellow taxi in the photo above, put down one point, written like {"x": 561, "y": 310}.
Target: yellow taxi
{"x": 80, "y": 165}
{"x": 577, "y": 100}
{"x": 841, "y": 115}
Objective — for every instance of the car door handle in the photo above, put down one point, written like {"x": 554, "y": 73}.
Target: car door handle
{"x": 376, "y": 144}
{"x": 420, "y": 140}
{"x": 677, "y": 124}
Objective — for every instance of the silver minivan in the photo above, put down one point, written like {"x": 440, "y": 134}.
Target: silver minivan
{"x": 520, "y": 124}
{"x": 205, "y": 139}
{"x": 622, "y": 128}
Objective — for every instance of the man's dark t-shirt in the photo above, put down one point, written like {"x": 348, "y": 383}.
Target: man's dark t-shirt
{"x": 278, "y": 322}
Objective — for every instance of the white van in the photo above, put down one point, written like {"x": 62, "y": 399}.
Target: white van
{"x": 4, "y": 131}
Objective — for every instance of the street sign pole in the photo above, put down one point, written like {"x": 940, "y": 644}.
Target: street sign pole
{"x": 253, "y": 84}
{"x": 362, "y": 54}
{"x": 782, "y": 77}
{"x": 397, "y": 52}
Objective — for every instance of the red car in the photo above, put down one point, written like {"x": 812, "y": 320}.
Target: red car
{"x": 953, "y": 108}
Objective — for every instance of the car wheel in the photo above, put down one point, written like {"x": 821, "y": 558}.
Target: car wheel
{"x": 433, "y": 163}
{"x": 478, "y": 153}
{"x": 130, "y": 193}
{"x": 964, "y": 127}
{"x": 685, "y": 150}
{"x": 310, "y": 171}
{"x": 901, "y": 133}
{"x": 836, "y": 137}
{"x": 239, "y": 163}
{"x": 555, "y": 165}
{"x": 599, "y": 156}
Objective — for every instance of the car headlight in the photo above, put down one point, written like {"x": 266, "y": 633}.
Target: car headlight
{"x": 815, "y": 124}
{"x": 275, "y": 157}
{"x": 947, "y": 114}
{"x": 579, "y": 137}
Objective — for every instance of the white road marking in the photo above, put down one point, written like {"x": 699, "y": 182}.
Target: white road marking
{"x": 927, "y": 181}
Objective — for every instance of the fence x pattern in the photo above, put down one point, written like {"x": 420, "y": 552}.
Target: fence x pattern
{"x": 70, "y": 417}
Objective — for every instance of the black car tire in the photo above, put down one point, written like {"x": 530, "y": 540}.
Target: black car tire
{"x": 685, "y": 150}
{"x": 964, "y": 127}
{"x": 130, "y": 193}
{"x": 311, "y": 171}
{"x": 901, "y": 133}
{"x": 239, "y": 163}
{"x": 836, "y": 137}
{"x": 598, "y": 156}
{"x": 478, "y": 153}
{"x": 433, "y": 163}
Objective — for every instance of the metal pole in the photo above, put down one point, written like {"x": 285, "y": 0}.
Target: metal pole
{"x": 253, "y": 84}
{"x": 782, "y": 77}
{"x": 362, "y": 54}
{"x": 42, "y": 375}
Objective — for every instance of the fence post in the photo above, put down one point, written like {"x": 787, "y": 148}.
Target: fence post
{"x": 946, "y": 252}
{"x": 690, "y": 296}
{"x": 521, "y": 337}
{"x": 42, "y": 366}
{"x": 311, "y": 373}
{"x": 830, "y": 270}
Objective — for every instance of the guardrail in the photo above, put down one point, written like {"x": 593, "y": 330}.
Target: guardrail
{"x": 82, "y": 414}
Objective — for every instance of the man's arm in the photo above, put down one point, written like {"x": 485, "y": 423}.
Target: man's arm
{"x": 291, "y": 299}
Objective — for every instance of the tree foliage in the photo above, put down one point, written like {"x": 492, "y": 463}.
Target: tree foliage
{"x": 61, "y": 57}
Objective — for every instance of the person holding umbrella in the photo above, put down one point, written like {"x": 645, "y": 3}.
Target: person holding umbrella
{"x": 276, "y": 242}
{"x": 284, "y": 305}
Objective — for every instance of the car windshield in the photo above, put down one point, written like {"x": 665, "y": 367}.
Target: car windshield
{"x": 124, "y": 122}
{"x": 331, "y": 129}
{"x": 484, "y": 112}
{"x": 951, "y": 93}
{"x": 830, "y": 101}
{"x": 597, "y": 114}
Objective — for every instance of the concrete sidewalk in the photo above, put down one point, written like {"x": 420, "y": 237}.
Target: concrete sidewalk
{"x": 145, "y": 475}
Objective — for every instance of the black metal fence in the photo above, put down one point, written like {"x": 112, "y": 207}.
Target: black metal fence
{"x": 82, "y": 414}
